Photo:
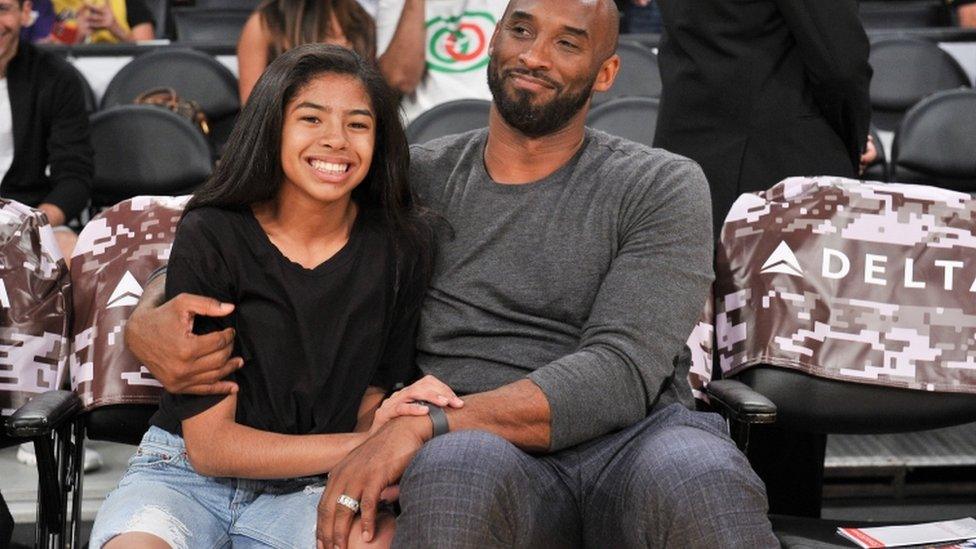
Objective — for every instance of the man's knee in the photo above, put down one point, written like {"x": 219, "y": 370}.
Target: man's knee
{"x": 461, "y": 457}
{"x": 694, "y": 488}
{"x": 692, "y": 467}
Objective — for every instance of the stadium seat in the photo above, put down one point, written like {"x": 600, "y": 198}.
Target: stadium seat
{"x": 877, "y": 170}
{"x": 145, "y": 150}
{"x": 906, "y": 70}
{"x": 936, "y": 142}
{"x": 192, "y": 74}
{"x": 837, "y": 354}
{"x": 904, "y": 14}
{"x": 811, "y": 404}
{"x": 639, "y": 74}
{"x": 449, "y": 118}
{"x": 633, "y": 118}
{"x": 116, "y": 252}
{"x": 91, "y": 105}
{"x": 209, "y": 26}
{"x": 34, "y": 319}
{"x": 162, "y": 19}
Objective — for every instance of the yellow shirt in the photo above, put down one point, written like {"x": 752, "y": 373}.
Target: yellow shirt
{"x": 68, "y": 10}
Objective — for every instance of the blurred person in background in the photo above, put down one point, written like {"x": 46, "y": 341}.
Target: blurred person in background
{"x": 756, "y": 92}
{"x": 98, "y": 22}
{"x": 277, "y": 26}
{"x": 41, "y": 23}
{"x": 434, "y": 51}
{"x": 965, "y": 12}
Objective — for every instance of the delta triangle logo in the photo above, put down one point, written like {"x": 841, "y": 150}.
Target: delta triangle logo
{"x": 126, "y": 294}
{"x": 783, "y": 261}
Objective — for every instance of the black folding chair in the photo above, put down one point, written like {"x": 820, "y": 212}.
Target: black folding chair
{"x": 936, "y": 142}
{"x": 192, "y": 74}
{"x": 633, "y": 118}
{"x": 906, "y": 70}
{"x": 639, "y": 75}
{"x": 145, "y": 150}
{"x": 449, "y": 118}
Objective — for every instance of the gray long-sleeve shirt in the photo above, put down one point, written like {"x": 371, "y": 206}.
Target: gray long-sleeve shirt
{"x": 588, "y": 281}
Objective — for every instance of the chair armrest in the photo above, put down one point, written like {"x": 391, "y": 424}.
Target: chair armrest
{"x": 43, "y": 414}
{"x": 740, "y": 403}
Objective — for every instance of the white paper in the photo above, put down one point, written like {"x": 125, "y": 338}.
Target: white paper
{"x": 913, "y": 534}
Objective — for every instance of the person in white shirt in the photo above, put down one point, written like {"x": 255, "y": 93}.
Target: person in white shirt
{"x": 434, "y": 51}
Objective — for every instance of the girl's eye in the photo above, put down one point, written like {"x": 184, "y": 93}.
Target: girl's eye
{"x": 311, "y": 119}
{"x": 359, "y": 125}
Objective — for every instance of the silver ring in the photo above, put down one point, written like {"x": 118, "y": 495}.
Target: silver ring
{"x": 348, "y": 502}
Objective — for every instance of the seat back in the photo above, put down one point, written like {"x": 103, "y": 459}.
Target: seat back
{"x": 116, "y": 253}
{"x": 849, "y": 304}
{"x": 144, "y": 149}
{"x": 904, "y": 14}
{"x": 91, "y": 104}
{"x": 906, "y": 70}
{"x": 633, "y": 118}
{"x": 639, "y": 75}
{"x": 936, "y": 142}
{"x": 449, "y": 118}
{"x": 209, "y": 26}
{"x": 193, "y": 74}
{"x": 35, "y": 304}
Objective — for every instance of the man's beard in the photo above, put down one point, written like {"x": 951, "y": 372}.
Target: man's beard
{"x": 535, "y": 121}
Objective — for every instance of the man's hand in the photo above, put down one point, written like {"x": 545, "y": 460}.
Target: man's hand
{"x": 405, "y": 402}
{"x": 363, "y": 475}
{"x": 869, "y": 155}
{"x": 162, "y": 338}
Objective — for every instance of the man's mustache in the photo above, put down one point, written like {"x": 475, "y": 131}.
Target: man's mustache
{"x": 534, "y": 74}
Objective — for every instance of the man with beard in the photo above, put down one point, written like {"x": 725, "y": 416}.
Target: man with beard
{"x": 571, "y": 268}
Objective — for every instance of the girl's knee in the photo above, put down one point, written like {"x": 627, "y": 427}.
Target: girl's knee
{"x": 135, "y": 540}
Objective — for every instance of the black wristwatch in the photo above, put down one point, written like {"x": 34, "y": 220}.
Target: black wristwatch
{"x": 438, "y": 417}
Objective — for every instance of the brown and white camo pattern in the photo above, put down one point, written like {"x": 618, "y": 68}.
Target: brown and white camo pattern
{"x": 35, "y": 295}
{"x": 116, "y": 253}
{"x": 864, "y": 282}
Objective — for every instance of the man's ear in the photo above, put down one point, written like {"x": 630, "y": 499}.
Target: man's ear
{"x": 607, "y": 74}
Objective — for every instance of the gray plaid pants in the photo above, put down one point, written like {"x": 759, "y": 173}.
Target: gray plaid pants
{"x": 674, "y": 479}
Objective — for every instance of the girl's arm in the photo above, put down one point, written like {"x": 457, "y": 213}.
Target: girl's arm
{"x": 218, "y": 446}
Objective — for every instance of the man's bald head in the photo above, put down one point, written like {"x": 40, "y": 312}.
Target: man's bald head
{"x": 605, "y": 23}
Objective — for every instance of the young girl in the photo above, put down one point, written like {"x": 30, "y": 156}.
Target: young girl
{"x": 276, "y": 26}
{"x": 309, "y": 228}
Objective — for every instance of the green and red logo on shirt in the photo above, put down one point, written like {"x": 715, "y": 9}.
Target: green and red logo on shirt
{"x": 460, "y": 43}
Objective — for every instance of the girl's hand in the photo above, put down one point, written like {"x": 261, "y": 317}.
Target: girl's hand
{"x": 405, "y": 402}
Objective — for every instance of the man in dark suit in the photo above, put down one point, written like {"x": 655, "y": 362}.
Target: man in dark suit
{"x": 756, "y": 91}
{"x": 759, "y": 90}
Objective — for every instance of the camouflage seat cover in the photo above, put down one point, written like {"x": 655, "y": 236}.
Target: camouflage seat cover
{"x": 35, "y": 296}
{"x": 862, "y": 282}
{"x": 116, "y": 253}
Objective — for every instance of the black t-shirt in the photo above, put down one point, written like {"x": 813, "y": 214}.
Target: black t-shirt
{"x": 312, "y": 339}
{"x": 137, "y": 13}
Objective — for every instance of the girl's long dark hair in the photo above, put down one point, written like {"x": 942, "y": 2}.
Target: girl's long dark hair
{"x": 291, "y": 23}
{"x": 250, "y": 169}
